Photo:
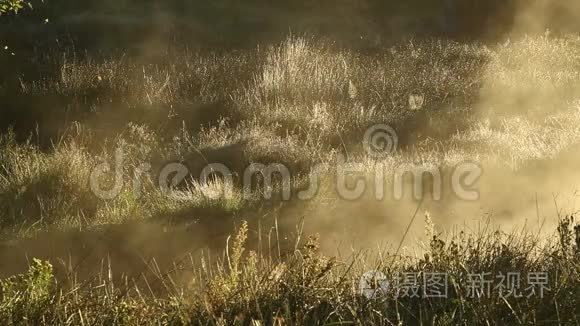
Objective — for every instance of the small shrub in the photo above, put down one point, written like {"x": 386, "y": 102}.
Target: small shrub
{"x": 27, "y": 298}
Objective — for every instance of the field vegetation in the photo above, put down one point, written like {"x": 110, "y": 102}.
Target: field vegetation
{"x": 221, "y": 253}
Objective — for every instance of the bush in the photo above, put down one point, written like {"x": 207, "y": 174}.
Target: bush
{"x": 27, "y": 298}
{"x": 14, "y": 6}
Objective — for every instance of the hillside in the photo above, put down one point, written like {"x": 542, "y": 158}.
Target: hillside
{"x": 220, "y": 163}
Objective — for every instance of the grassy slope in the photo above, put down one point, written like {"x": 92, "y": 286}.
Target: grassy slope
{"x": 298, "y": 103}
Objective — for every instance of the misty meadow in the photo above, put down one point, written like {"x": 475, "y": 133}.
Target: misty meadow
{"x": 289, "y": 162}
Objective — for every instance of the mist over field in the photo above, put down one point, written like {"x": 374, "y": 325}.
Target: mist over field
{"x": 253, "y": 162}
